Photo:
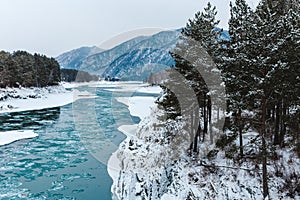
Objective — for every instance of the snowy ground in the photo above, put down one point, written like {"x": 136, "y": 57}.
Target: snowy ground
{"x": 138, "y": 106}
{"x": 150, "y": 90}
{"x": 24, "y": 99}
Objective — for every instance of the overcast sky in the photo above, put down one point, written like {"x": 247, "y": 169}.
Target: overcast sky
{"x": 52, "y": 27}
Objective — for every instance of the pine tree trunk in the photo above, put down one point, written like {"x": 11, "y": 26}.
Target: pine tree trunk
{"x": 205, "y": 128}
{"x": 192, "y": 133}
{"x": 197, "y": 132}
{"x": 273, "y": 114}
{"x": 265, "y": 170}
{"x": 239, "y": 117}
{"x": 298, "y": 137}
{"x": 277, "y": 123}
{"x": 209, "y": 108}
{"x": 264, "y": 148}
{"x": 283, "y": 124}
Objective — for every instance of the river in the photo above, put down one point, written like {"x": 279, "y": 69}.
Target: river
{"x": 61, "y": 163}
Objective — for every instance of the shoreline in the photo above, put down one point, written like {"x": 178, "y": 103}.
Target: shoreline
{"x": 140, "y": 107}
{"x": 27, "y": 99}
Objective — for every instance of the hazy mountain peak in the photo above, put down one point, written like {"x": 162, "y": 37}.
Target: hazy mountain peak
{"x": 73, "y": 58}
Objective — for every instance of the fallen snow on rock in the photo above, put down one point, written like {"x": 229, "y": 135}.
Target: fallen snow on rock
{"x": 12, "y": 136}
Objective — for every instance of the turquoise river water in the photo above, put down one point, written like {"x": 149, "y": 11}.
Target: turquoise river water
{"x": 57, "y": 164}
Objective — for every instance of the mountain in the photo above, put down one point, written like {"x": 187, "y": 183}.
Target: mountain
{"x": 138, "y": 64}
{"x": 97, "y": 63}
{"x": 150, "y": 55}
{"x": 124, "y": 58}
{"x": 134, "y": 59}
{"x": 224, "y": 34}
{"x": 73, "y": 58}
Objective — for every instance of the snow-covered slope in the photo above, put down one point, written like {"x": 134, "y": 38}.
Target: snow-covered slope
{"x": 72, "y": 59}
{"x": 153, "y": 167}
{"x": 102, "y": 62}
{"x": 97, "y": 63}
{"x": 134, "y": 59}
{"x": 138, "y": 64}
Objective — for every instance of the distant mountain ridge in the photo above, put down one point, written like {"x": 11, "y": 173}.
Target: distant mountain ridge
{"x": 97, "y": 63}
{"x": 73, "y": 58}
{"x": 134, "y": 59}
{"x": 139, "y": 64}
{"x": 130, "y": 60}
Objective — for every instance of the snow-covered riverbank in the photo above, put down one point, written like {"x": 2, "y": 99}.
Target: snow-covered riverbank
{"x": 147, "y": 166}
{"x": 138, "y": 106}
{"x": 24, "y": 99}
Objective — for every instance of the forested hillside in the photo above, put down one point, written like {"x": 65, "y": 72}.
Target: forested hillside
{"x": 260, "y": 68}
{"x": 250, "y": 147}
{"x": 24, "y": 69}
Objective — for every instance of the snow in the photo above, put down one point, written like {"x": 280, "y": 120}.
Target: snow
{"x": 137, "y": 89}
{"x": 70, "y": 85}
{"x": 140, "y": 107}
{"x": 128, "y": 130}
{"x": 25, "y": 99}
{"x": 150, "y": 90}
{"x": 168, "y": 197}
{"x": 12, "y": 136}
{"x": 114, "y": 164}
{"x": 101, "y": 84}
{"x": 129, "y": 86}
{"x": 145, "y": 162}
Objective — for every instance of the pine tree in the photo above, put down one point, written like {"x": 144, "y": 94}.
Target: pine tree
{"x": 272, "y": 66}
{"x": 23, "y": 69}
{"x": 261, "y": 70}
{"x": 236, "y": 68}
{"x": 201, "y": 29}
